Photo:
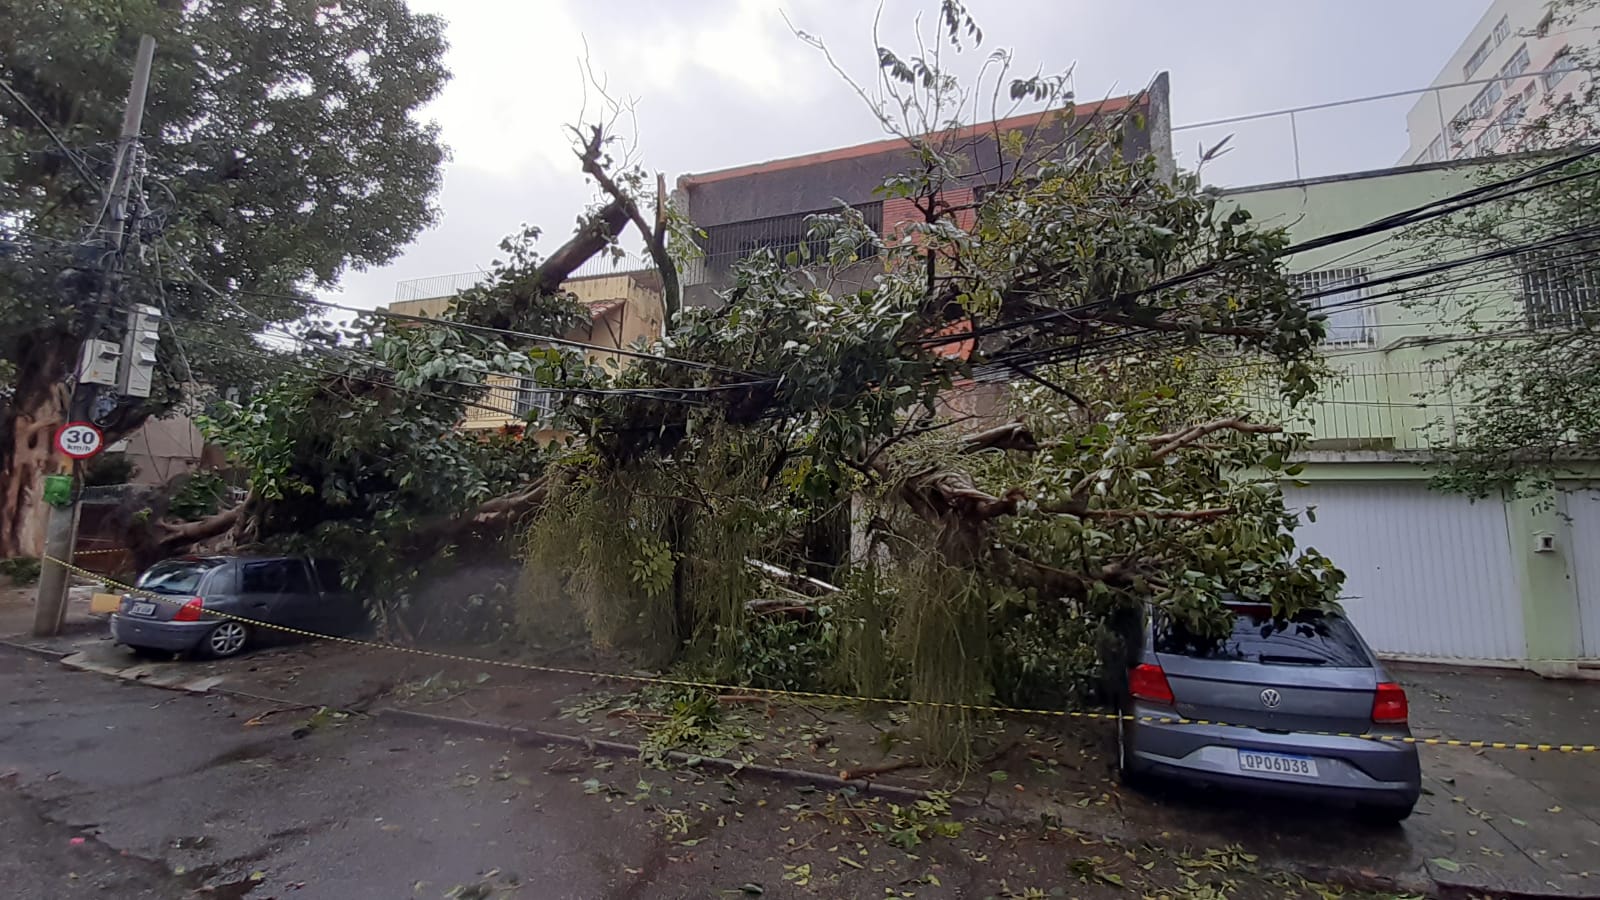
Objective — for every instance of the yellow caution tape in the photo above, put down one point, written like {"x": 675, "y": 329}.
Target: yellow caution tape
{"x": 817, "y": 695}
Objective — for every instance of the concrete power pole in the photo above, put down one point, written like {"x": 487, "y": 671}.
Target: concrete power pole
{"x": 50, "y": 608}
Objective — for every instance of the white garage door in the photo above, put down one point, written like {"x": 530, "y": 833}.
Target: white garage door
{"x": 1427, "y": 574}
{"x": 1583, "y": 511}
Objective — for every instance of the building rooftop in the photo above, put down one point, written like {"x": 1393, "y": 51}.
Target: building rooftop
{"x": 1012, "y": 123}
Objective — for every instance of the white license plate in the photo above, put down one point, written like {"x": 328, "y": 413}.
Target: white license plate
{"x": 142, "y": 608}
{"x": 1277, "y": 764}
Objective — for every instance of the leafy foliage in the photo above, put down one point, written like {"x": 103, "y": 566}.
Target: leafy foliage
{"x": 22, "y": 570}
{"x": 280, "y": 149}
{"x": 990, "y": 563}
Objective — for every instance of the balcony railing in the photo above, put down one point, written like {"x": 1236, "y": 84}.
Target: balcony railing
{"x": 1369, "y": 408}
{"x": 726, "y": 245}
{"x": 437, "y": 286}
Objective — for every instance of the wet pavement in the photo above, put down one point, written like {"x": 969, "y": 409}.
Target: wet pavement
{"x": 1501, "y": 821}
{"x": 175, "y": 794}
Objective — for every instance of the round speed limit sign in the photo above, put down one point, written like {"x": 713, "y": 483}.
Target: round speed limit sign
{"x": 79, "y": 440}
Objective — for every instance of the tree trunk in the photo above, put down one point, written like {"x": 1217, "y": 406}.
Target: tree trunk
{"x": 27, "y": 442}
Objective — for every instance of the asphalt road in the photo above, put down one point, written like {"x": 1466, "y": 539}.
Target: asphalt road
{"x": 182, "y": 784}
{"x": 112, "y": 789}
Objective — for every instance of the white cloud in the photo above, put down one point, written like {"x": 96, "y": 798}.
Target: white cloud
{"x": 723, "y": 82}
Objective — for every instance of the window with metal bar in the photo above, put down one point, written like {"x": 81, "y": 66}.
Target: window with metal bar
{"x": 1349, "y": 322}
{"x": 1564, "y": 62}
{"x": 532, "y": 402}
{"x": 1558, "y": 292}
{"x": 725, "y": 245}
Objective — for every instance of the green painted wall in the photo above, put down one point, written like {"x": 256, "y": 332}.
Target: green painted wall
{"x": 1549, "y": 594}
{"x": 1393, "y": 394}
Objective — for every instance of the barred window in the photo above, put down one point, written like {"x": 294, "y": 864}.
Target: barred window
{"x": 1477, "y": 58}
{"x": 727, "y": 244}
{"x": 532, "y": 402}
{"x": 1338, "y": 293}
{"x": 1558, "y": 292}
{"x": 1502, "y": 30}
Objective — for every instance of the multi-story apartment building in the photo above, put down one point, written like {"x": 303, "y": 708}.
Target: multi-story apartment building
{"x": 766, "y": 205}
{"x": 1513, "y": 64}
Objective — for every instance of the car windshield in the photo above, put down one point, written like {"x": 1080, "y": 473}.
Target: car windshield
{"x": 177, "y": 576}
{"x": 1308, "y": 639}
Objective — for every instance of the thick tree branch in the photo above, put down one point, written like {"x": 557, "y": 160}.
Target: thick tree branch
{"x": 1010, "y": 436}
{"x": 1189, "y": 514}
{"x": 181, "y": 534}
{"x": 654, "y": 236}
{"x": 1177, "y": 440}
{"x": 601, "y": 233}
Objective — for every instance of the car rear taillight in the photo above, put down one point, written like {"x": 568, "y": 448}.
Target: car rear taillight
{"x": 1389, "y": 705}
{"x": 1147, "y": 682}
{"x": 189, "y": 612}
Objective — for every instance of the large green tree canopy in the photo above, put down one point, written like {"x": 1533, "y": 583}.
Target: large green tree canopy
{"x": 282, "y": 145}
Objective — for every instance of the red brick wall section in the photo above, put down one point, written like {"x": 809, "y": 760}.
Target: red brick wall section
{"x": 896, "y": 213}
{"x": 899, "y": 212}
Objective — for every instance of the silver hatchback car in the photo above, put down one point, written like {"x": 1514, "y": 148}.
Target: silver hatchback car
{"x": 1293, "y": 694}
{"x": 176, "y": 608}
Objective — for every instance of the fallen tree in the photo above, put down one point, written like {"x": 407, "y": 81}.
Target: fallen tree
{"x": 1114, "y": 299}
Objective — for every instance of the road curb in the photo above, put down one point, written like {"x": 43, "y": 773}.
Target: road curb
{"x": 521, "y": 735}
{"x": 36, "y": 650}
{"x": 1415, "y": 883}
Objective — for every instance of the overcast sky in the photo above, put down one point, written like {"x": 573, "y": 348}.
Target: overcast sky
{"x": 724, "y": 82}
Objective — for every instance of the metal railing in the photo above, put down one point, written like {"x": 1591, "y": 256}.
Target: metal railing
{"x": 725, "y": 245}
{"x": 437, "y": 286}
{"x": 1363, "y": 133}
{"x": 1367, "y": 407}
{"x": 604, "y": 264}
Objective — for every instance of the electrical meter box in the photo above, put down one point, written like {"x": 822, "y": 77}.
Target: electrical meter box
{"x": 98, "y": 365}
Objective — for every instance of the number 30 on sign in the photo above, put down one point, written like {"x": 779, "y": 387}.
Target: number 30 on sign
{"x": 79, "y": 440}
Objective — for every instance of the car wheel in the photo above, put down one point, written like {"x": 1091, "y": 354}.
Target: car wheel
{"x": 1382, "y": 815}
{"x": 227, "y": 639}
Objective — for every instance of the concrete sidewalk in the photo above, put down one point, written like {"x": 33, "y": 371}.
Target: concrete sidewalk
{"x": 1518, "y": 820}
{"x": 1490, "y": 822}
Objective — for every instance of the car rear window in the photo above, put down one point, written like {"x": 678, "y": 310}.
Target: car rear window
{"x": 1311, "y": 638}
{"x": 177, "y": 576}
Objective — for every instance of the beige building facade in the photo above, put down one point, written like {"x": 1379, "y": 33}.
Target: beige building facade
{"x": 625, "y": 308}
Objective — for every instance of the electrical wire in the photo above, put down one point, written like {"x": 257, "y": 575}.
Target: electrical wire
{"x": 1499, "y": 190}
{"x": 72, "y": 157}
{"x": 520, "y": 335}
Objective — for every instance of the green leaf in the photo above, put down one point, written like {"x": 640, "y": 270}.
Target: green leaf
{"x": 1445, "y": 863}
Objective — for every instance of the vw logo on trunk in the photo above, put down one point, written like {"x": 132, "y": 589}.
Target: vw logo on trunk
{"x": 1270, "y": 698}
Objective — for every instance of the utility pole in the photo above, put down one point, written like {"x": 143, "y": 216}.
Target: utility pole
{"x": 61, "y": 531}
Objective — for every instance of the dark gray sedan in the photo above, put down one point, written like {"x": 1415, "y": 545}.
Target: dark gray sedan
{"x": 174, "y": 610}
{"x": 1289, "y": 692}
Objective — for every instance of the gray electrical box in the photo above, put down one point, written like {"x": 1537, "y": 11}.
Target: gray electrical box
{"x": 139, "y": 352}
{"x": 98, "y": 364}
